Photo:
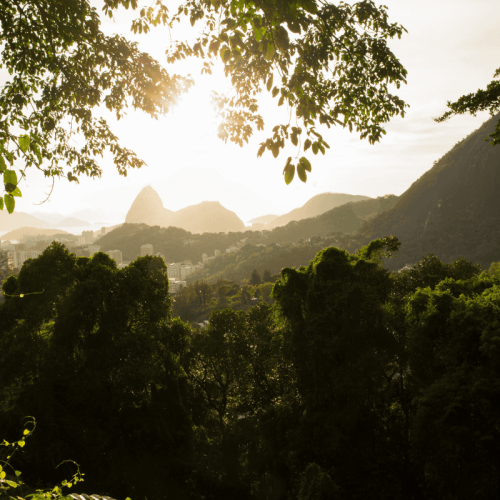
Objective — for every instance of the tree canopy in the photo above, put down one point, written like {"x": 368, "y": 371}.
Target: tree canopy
{"x": 330, "y": 63}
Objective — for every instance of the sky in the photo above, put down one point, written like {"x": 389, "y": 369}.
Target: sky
{"x": 451, "y": 49}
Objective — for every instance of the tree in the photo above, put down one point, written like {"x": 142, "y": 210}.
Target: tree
{"x": 481, "y": 100}
{"x": 337, "y": 339}
{"x": 454, "y": 359}
{"x": 330, "y": 63}
{"x": 62, "y": 69}
{"x": 266, "y": 277}
{"x": 5, "y": 269}
{"x": 255, "y": 278}
{"x": 99, "y": 360}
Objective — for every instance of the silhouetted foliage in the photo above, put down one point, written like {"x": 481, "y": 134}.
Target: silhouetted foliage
{"x": 355, "y": 383}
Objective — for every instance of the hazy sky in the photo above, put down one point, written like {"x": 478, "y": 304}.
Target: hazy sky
{"x": 451, "y": 49}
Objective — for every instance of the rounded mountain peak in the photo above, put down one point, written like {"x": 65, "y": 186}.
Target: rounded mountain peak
{"x": 147, "y": 207}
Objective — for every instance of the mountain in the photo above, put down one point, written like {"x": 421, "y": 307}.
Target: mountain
{"x": 18, "y": 233}
{"x": 72, "y": 222}
{"x": 264, "y": 219}
{"x": 50, "y": 218}
{"x": 148, "y": 208}
{"x": 9, "y": 222}
{"x": 208, "y": 216}
{"x": 453, "y": 210}
{"x": 366, "y": 209}
{"x": 341, "y": 219}
{"x": 317, "y": 205}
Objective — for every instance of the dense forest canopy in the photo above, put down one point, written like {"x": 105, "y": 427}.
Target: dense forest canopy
{"x": 354, "y": 383}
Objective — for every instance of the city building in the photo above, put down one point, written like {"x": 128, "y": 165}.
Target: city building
{"x": 175, "y": 286}
{"x": 21, "y": 256}
{"x": 146, "y": 250}
{"x": 88, "y": 237}
{"x": 116, "y": 255}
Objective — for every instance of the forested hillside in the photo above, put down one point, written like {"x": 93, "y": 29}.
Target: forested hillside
{"x": 453, "y": 210}
{"x": 273, "y": 257}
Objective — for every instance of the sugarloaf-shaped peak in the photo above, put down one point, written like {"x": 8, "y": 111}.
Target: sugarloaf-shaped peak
{"x": 207, "y": 216}
{"x": 148, "y": 208}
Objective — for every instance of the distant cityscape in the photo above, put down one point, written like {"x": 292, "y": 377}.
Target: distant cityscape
{"x": 32, "y": 246}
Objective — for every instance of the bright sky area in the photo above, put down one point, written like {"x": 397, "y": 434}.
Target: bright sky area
{"x": 451, "y": 49}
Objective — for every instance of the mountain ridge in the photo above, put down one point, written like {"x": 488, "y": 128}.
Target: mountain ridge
{"x": 317, "y": 205}
{"x": 207, "y": 216}
{"x": 452, "y": 210}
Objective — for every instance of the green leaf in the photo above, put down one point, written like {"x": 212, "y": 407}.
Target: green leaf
{"x": 289, "y": 171}
{"x": 24, "y": 142}
{"x": 295, "y": 141}
{"x": 261, "y": 150}
{"x": 304, "y": 161}
{"x": 10, "y": 202}
{"x": 12, "y": 484}
{"x": 36, "y": 149}
{"x": 275, "y": 91}
{"x": 16, "y": 192}
{"x": 10, "y": 177}
{"x": 315, "y": 148}
{"x": 18, "y": 473}
{"x": 3, "y": 165}
{"x": 2, "y": 474}
{"x": 307, "y": 144}
{"x": 20, "y": 443}
{"x": 1, "y": 203}
{"x": 26, "y": 432}
{"x": 302, "y": 172}
{"x": 258, "y": 33}
{"x": 270, "y": 51}
{"x": 270, "y": 84}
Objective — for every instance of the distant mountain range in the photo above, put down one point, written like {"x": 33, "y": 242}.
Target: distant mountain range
{"x": 205, "y": 217}
{"x": 18, "y": 233}
{"x": 347, "y": 218}
{"x": 453, "y": 210}
{"x": 9, "y": 222}
{"x": 50, "y": 218}
{"x": 264, "y": 219}
{"x": 317, "y": 205}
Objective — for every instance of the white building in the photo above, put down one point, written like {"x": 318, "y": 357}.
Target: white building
{"x": 175, "y": 286}
{"x": 116, "y": 255}
{"x": 21, "y": 256}
{"x": 146, "y": 250}
{"x": 88, "y": 236}
{"x": 180, "y": 271}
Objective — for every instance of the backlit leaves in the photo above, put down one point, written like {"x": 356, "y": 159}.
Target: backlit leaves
{"x": 333, "y": 62}
{"x": 289, "y": 171}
